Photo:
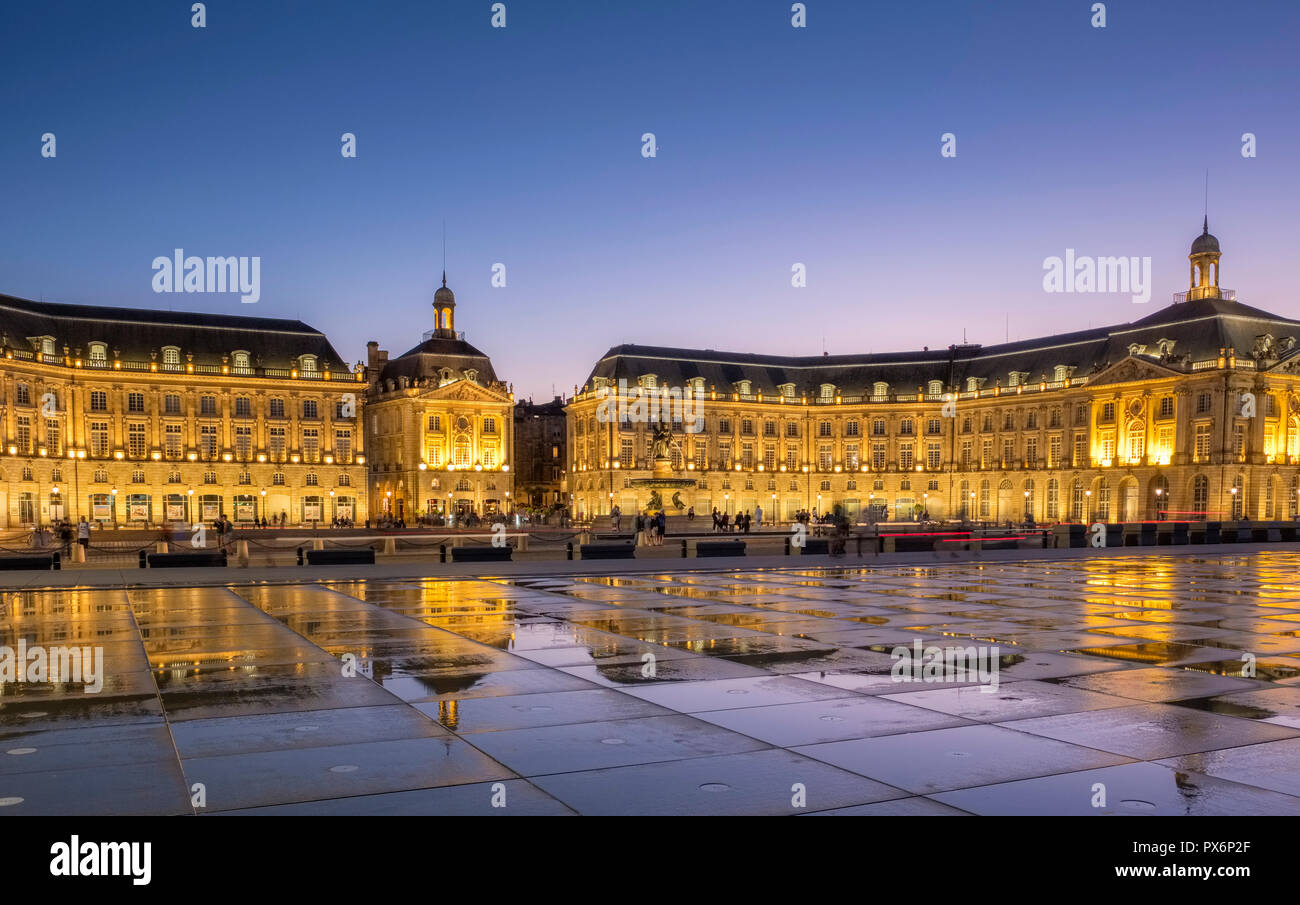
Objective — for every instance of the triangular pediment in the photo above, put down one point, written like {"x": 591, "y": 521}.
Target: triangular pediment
{"x": 466, "y": 391}
{"x": 1130, "y": 370}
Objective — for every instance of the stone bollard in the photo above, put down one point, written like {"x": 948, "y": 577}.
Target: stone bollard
{"x": 241, "y": 554}
{"x": 318, "y": 544}
{"x": 390, "y": 545}
{"x": 162, "y": 547}
{"x": 78, "y": 553}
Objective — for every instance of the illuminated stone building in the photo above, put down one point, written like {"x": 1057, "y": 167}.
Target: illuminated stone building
{"x": 439, "y": 426}
{"x": 133, "y": 417}
{"x": 1190, "y": 412}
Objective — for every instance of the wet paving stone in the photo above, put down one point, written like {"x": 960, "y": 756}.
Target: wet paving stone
{"x": 1172, "y": 680}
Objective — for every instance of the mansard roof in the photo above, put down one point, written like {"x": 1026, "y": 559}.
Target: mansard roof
{"x": 1177, "y": 335}
{"x": 138, "y": 333}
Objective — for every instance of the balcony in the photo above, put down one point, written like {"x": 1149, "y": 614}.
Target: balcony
{"x": 1205, "y": 292}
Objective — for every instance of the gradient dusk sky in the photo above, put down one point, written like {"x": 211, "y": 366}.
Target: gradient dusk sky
{"x": 777, "y": 145}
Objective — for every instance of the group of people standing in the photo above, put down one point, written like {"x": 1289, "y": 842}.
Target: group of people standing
{"x": 650, "y": 528}
{"x": 723, "y": 522}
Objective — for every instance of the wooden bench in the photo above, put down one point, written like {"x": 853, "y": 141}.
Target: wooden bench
{"x": 45, "y": 562}
{"x": 362, "y": 556}
{"x": 607, "y": 551}
{"x": 729, "y": 548}
{"x": 482, "y": 554}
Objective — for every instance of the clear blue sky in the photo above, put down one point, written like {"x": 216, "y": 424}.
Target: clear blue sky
{"x": 777, "y": 145}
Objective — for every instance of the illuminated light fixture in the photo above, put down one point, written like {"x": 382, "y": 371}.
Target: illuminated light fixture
{"x": 293, "y": 458}
{"x": 478, "y": 466}
{"x": 261, "y": 457}
{"x": 837, "y": 469}
{"x": 505, "y": 467}
{"x": 193, "y": 457}
{"x": 190, "y": 492}
{"x": 760, "y": 466}
{"x": 737, "y": 466}
{"x": 156, "y": 456}
{"x": 805, "y": 469}
{"x": 227, "y": 457}
{"x": 81, "y": 454}
{"x": 119, "y": 454}
{"x": 690, "y": 466}
{"x": 361, "y": 460}
{"x": 329, "y": 460}
{"x": 783, "y": 468}
{"x": 864, "y": 468}
{"x": 40, "y": 451}
{"x": 423, "y": 466}
{"x": 617, "y": 464}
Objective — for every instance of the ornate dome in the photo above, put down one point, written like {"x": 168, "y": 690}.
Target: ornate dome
{"x": 1205, "y": 243}
{"x": 445, "y": 295}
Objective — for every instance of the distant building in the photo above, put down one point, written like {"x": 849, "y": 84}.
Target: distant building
{"x": 1190, "y": 412}
{"x": 439, "y": 424}
{"x": 135, "y": 417}
{"x": 540, "y": 451}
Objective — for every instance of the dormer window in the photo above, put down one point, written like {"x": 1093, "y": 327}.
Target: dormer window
{"x": 308, "y": 364}
{"x": 935, "y": 388}
{"x": 974, "y": 383}
{"x": 46, "y": 345}
{"x": 785, "y": 389}
{"x": 171, "y": 357}
{"x": 696, "y": 384}
{"x": 1017, "y": 378}
{"x": 239, "y": 360}
{"x": 743, "y": 387}
{"x": 828, "y": 391}
{"x": 648, "y": 381}
{"x": 1061, "y": 373}
{"x": 98, "y": 354}
{"x": 879, "y": 389}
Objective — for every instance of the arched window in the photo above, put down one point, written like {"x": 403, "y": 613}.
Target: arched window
{"x": 1103, "y": 500}
{"x": 879, "y": 389}
{"x": 1028, "y": 494}
{"x": 171, "y": 358}
{"x": 1076, "y": 501}
{"x": 935, "y": 388}
{"x": 308, "y": 364}
{"x": 239, "y": 360}
{"x": 1137, "y": 441}
{"x": 1238, "y": 497}
{"x": 1053, "y": 499}
{"x": 98, "y": 355}
{"x": 984, "y": 498}
{"x": 1200, "y": 495}
{"x": 1160, "y": 497}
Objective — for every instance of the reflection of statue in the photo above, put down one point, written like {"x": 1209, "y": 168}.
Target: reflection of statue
{"x": 656, "y": 502}
{"x": 663, "y": 439}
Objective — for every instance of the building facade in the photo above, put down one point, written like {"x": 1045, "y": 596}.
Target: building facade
{"x": 131, "y": 417}
{"x": 439, "y": 427}
{"x": 540, "y": 444}
{"x": 1192, "y": 412}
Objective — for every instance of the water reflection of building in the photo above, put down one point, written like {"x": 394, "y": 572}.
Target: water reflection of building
{"x": 1147, "y": 420}
{"x": 441, "y": 425}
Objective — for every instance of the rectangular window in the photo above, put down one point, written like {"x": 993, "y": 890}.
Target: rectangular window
{"x": 172, "y": 441}
{"x": 489, "y": 457}
{"x": 135, "y": 403}
{"x": 1202, "y": 449}
{"x": 171, "y": 404}
{"x": 1031, "y": 451}
{"x": 243, "y": 442}
{"x": 276, "y": 445}
{"x": 275, "y": 408}
{"x": 98, "y": 401}
{"x": 243, "y": 407}
{"x": 1080, "y": 450}
{"x": 747, "y": 455}
{"x": 825, "y": 458}
{"x": 967, "y": 451}
{"x": 99, "y": 439}
{"x": 792, "y": 457}
{"x": 208, "y": 441}
{"x": 135, "y": 441}
{"x": 933, "y": 456}
{"x": 310, "y": 409}
{"x": 208, "y": 406}
{"x": 878, "y": 456}
{"x": 310, "y": 444}
{"x": 1054, "y": 452}
{"x": 343, "y": 445}
{"x": 905, "y": 462}
{"x": 626, "y": 453}
{"x": 53, "y": 437}
{"x": 769, "y": 456}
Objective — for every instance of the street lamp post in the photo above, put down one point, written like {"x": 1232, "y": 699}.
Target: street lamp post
{"x": 1088, "y": 494}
